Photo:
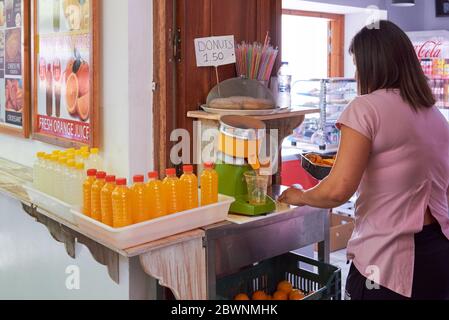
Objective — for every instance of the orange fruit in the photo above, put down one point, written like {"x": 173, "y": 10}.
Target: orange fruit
{"x": 83, "y": 106}
{"x": 285, "y": 286}
{"x": 71, "y": 94}
{"x": 280, "y": 296}
{"x": 296, "y": 295}
{"x": 83, "y": 75}
{"x": 241, "y": 297}
{"x": 259, "y": 296}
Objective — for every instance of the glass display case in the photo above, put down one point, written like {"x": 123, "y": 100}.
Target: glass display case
{"x": 332, "y": 96}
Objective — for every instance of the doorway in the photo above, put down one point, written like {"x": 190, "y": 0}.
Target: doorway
{"x": 313, "y": 43}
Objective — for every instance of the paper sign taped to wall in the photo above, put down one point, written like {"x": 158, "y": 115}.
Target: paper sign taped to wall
{"x": 215, "y": 51}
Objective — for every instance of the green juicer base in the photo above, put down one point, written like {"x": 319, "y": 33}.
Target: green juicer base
{"x": 242, "y": 207}
{"x": 232, "y": 183}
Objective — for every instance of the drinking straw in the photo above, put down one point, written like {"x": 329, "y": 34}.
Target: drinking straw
{"x": 256, "y": 60}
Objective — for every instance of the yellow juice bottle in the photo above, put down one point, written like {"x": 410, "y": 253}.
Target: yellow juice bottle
{"x": 190, "y": 185}
{"x": 121, "y": 205}
{"x": 173, "y": 192}
{"x": 106, "y": 201}
{"x": 96, "y": 195}
{"x": 154, "y": 196}
{"x": 87, "y": 191}
{"x": 209, "y": 185}
{"x": 140, "y": 208}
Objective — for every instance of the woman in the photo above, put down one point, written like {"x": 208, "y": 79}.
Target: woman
{"x": 395, "y": 150}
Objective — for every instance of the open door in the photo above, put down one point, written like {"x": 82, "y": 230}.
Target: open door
{"x": 179, "y": 85}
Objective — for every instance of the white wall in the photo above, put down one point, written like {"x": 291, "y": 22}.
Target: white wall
{"x": 354, "y": 22}
{"x": 33, "y": 265}
{"x": 127, "y": 96}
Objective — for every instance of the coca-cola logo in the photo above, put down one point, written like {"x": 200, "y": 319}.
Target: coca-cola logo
{"x": 429, "y": 49}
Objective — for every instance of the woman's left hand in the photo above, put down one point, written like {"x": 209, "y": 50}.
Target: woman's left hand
{"x": 292, "y": 196}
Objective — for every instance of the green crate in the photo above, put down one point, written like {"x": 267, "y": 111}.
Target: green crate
{"x": 264, "y": 276}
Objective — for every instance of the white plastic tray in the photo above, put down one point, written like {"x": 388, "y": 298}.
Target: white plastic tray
{"x": 50, "y": 204}
{"x": 138, "y": 234}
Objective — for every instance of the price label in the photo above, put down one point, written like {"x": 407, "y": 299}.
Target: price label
{"x": 215, "y": 51}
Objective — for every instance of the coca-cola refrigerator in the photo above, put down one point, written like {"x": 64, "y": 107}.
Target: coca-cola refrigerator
{"x": 432, "y": 48}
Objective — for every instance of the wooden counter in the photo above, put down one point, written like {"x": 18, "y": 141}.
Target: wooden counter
{"x": 179, "y": 262}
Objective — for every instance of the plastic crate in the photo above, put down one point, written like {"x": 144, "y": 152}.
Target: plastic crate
{"x": 325, "y": 284}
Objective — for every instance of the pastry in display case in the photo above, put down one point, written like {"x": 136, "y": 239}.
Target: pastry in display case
{"x": 318, "y": 132}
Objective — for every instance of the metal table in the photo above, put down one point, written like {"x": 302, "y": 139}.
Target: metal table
{"x": 230, "y": 247}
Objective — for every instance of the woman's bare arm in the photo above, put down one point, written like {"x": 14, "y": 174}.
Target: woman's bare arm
{"x": 342, "y": 183}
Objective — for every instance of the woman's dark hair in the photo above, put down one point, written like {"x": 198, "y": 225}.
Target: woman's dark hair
{"x": 386, "y": 59}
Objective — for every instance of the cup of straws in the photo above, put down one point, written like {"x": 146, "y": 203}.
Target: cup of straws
{"x": 256, "y": 61}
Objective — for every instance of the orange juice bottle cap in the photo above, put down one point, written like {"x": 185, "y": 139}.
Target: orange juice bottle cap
{"x": 209, "y": 165}
{"x": 138, "y": 179}
{"x": 188, "y": 168}
{"x": 170, "y": 172}
{"x": 153, "y": 175}
{"x": 101, "y": 175}
{"x": 92, "y": 172}
{"x": 110, "y": 179}
{"x": 121, "y": 182}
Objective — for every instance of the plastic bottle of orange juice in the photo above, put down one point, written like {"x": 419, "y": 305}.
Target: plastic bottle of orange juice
{"x": 140, "y": 208}
{"x": 154, "y": 196}
{"x": 121, "y": 205}
{"x": 87, "y": 190}
{"x": 173, "y": 192}
{"x": 106, "y": 200}
{"x": 190, "y": 185}
{"x": 209, "y": 185}
{"x": 96, "y": 195}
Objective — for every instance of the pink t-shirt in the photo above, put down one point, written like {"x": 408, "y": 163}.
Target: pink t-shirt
{"x": 408, "y": 172}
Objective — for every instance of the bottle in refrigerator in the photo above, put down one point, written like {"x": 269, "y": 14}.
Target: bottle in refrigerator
{"x": 284, "y": 99}
{"x": 173, "y": 192}
{"x": 106, "y": 201}
{"x": 96, "y": 195}
{"x": 155, "y": 197}
{"x": 46, "y": 174}
{"x": 209, "y": 185}
{"x": 190, "y": 185}
{"x": 87, "y": 191}
{"x": 140, "y": 208}
{"x": 121, "y": 205}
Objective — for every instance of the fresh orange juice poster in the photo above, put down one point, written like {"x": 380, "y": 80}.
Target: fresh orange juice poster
{"x": 11, "y": 54}
{"x": 64, "y": 77}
